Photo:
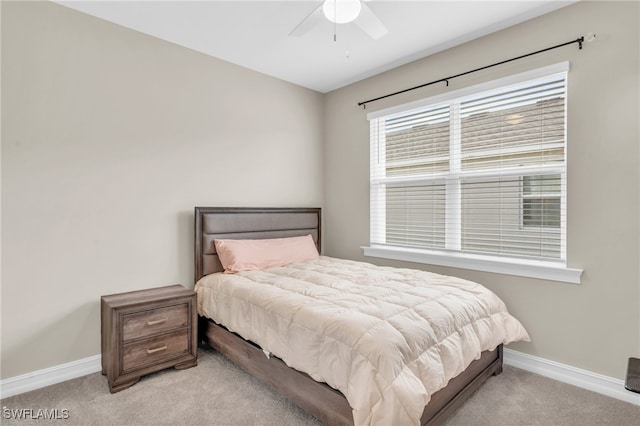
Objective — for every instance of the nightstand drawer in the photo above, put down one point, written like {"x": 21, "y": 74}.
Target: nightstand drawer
{"x": 147, "y": 323}
{"x": 148, "y": 351}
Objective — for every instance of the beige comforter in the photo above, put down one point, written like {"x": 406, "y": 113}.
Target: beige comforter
{"x": 387, "y": 338}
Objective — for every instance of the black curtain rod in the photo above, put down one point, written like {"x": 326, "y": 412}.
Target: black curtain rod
{"x": 446, "y": 79}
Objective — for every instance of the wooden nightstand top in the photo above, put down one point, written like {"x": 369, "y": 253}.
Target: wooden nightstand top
{"x": 146, "y": 296}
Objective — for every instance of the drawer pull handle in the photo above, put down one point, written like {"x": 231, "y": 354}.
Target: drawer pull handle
{"x": 155, "y": 322}
{"x": 154, "y": 350}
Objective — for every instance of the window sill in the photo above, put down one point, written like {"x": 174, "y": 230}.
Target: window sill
{"x": 523, "y": 268}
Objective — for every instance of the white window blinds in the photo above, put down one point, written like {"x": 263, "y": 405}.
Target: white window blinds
{"x": 483, "y": 173}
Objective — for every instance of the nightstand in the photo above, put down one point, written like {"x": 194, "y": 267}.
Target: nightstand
{"x": 146, "y": 331}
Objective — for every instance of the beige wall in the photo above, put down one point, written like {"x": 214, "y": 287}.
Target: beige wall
{"x": 595, "y": 325}
{"x": 109, "y": 140}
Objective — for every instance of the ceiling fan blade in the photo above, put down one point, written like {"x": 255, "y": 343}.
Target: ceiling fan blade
{"x": 307, "y": 23}
{"x": 369, "y": 23}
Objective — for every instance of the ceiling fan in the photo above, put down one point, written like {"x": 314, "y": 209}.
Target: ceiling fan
{"x": 343, "y": 12}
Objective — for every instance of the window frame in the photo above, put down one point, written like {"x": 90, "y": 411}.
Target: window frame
{"x": 535, "y": 268}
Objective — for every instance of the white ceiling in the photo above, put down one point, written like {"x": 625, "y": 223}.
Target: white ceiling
{"x": 254, "y": 34}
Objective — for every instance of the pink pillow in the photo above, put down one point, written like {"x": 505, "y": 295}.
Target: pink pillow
{"x": 251, "y": 255}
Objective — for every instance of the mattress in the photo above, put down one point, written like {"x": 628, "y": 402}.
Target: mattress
{"x": 387, "y": 338}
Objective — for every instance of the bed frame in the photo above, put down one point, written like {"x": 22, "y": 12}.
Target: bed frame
{"x": 318, "y": 399}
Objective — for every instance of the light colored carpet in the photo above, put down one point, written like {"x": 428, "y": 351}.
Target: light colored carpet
{"x": 216, "y": 392}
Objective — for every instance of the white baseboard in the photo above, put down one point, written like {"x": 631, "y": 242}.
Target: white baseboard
{"x": 574, "y": 376}
{"x": 50, "y": 376}
{"x": 564, "y": 373}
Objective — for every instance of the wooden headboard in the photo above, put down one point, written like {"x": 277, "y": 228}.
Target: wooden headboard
{"x": 248, "y": 223}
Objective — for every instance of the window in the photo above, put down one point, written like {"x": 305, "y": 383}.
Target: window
{"x": 479, "y": 174}
{"x": 541, "y": 201}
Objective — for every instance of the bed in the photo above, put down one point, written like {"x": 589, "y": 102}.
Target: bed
{"x": 308, "y": 391}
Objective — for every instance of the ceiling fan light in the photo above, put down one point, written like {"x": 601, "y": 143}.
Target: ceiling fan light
{"x": 341, "y": 11}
